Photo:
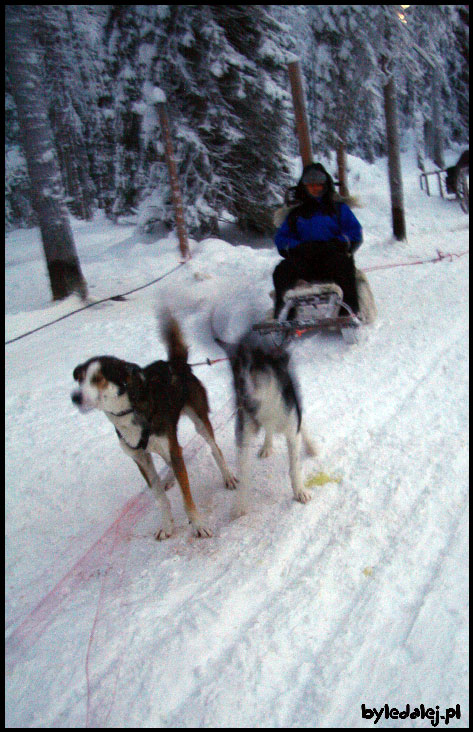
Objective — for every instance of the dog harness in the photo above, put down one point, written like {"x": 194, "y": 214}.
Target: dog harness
{"x": 145, "y": 432}
{"x": 144, "y": 439}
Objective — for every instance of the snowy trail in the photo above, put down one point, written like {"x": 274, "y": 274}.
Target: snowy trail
{"x": 290, "y": 616}
{"x": 352, "y": 604}
{"x": 225, "y": 619}
{"x": 231, "y": 623}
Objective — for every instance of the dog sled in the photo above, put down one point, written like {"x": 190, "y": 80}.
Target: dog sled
{"x": 313, "y": 307}
{"x": 319, "y": 306}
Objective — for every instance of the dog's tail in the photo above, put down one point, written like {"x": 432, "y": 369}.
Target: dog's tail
{"x": 229, "y": 348}
{"x": 171, "y": 333}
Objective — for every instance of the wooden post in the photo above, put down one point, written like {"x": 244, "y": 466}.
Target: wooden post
{"x": 394, "y": 158}
{"x": 302, "y": 124}
{"x": 342, "y": 169}
{"x": 175, "y": 191}
{"x": 437, "y": 156}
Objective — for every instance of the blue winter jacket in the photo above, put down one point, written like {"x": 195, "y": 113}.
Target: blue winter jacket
{"x": 344, "y": 226}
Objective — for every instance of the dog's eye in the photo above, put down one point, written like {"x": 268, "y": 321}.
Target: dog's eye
{"x": 98, "y": 380}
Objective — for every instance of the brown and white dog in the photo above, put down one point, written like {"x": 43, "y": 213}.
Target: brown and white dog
{"x": 144, "y": 405}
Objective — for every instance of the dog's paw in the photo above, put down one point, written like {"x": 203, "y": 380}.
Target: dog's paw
{"x": 267, "y": 447}
{"x": 231, "y": 482}
{"x": 200, "y": 529}
{"x": 302, "y": 496}
{"x": 163, "y": 533}
{"x": 265, "y": 451}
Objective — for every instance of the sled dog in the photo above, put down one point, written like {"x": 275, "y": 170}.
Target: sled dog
{"x": 267, "y": 395}
{"x": 144, "y": 405}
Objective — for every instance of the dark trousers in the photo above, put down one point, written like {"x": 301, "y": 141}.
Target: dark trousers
{"x": 317, "y": 262}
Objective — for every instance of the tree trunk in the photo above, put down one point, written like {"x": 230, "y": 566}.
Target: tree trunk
{"x": 342, "y": 170}
{"x": 437, "y": 122}
{"x": 24, "y": 70}
{"x": 174, "y": 180}
{"x": 300, "y": 112}
{"x": 394, "y": 161}
{"x": 419, "y": 133}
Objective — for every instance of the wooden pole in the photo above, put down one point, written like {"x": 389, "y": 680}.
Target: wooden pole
{"x": 394, "y": 161}
{"x": 175, "y": 191}
{"x": 342, "y": 170}
{"x": 302, "y": 123}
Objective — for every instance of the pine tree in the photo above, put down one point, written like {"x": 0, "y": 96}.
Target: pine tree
{"x": 255, "y": 89}
{"x": 67, "y": 106}
{"x": 19, "y": 211}
{"x": 438, "y": 62}
{"x": 127, "y": 30}
{"x": 460, "y": 74}
{"x": 221, "y": 74}
{"x": 343, "y": 78}
{"x": 24, "y": 71}
{"x": 188, "y": 69}
{"x": 86, "y": 38}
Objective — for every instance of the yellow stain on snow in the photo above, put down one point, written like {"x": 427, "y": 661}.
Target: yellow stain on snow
{"x": 321, "y": 478}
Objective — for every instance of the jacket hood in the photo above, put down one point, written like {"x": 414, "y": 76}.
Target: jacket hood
{"x": 329, "y": 185}
{"x": 308, "y": 204}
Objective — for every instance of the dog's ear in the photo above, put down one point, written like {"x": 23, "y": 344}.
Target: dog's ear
{"x": 135, "y": 381}
{"x": 78, "y": 373}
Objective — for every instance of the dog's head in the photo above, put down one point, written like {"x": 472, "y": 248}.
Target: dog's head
{"x": 106, "y": 383}
{"x": 255, "y": 359}
{"x": 254, "y": 350}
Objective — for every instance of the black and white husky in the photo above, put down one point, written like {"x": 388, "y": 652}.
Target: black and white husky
{"x": 267, "y": 396}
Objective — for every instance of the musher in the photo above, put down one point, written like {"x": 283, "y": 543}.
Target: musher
{"x": 317, "y": 239}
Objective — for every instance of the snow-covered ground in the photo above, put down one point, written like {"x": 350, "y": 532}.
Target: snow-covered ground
{"x": 293, "y": 615}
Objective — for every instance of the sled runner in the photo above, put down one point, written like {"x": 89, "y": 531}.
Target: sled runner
{"x": 313, "y": 307}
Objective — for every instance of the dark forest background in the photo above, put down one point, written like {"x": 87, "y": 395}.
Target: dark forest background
{"x": 223, "y": 70}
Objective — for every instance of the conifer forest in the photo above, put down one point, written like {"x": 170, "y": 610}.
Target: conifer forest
{"x": 99, "y": 71}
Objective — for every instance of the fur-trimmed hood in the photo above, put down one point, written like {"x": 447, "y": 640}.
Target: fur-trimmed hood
{"x": 298, "y": 197}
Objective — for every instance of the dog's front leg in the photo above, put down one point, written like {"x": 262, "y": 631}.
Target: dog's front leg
{"x": 145, "y": 463}
{"x": 180, "y": 472}
{"x": 293, "y": 440}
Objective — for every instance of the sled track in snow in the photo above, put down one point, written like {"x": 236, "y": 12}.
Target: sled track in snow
{"x": 296, "y": 557}
{"x": 92, "y": 562}
{"x": 356, "y": 605}
{"x": 299, "y": 548}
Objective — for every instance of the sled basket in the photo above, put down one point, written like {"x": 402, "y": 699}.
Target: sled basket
{"x": 314, "y": 307}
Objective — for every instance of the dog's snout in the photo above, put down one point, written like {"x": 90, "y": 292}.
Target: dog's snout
{"x": 76, "y": 397}
{"x": 81, "y": 402}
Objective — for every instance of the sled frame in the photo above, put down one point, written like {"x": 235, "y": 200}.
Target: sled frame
{"x": 325, "y": 306}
